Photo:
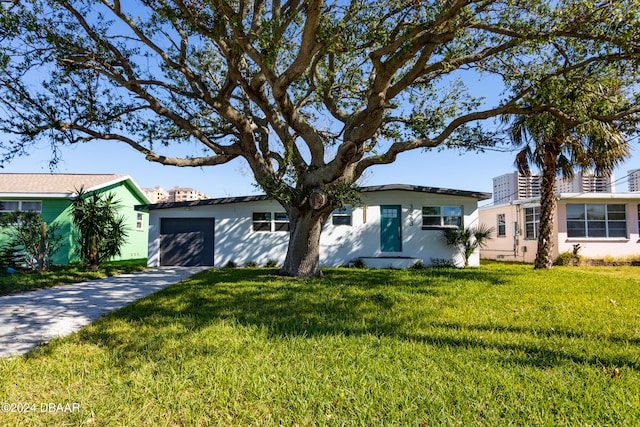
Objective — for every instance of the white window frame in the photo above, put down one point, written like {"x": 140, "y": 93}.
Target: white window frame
{"x": 274, "y": 222}
{"x": 345, "y": 212}
{"x": 590, "y": 223}
{"x": 501, "y": 225}
{"x": 140, "y": 221}
{"x": 280, "y": 222}
{"x": 444, "y": 216}
{"x": 532, "y": 234}
{"x": 20, "y": 206}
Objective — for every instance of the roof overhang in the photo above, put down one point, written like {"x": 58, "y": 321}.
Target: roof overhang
{"x": 69, "y": 195}
{"x": 368, "y": 189}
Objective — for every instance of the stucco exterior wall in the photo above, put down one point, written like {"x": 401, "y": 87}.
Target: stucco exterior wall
{"x": 58, "y": 211}
{"x": 515, "y": 247}
{"x": 601, "y": 247}
{"x": 236, "y": 241}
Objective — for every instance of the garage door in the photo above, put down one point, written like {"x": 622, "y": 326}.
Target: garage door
{"x": 186, "y": 241}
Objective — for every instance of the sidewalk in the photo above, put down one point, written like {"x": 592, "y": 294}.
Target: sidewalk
{"x": 32, "y": 318}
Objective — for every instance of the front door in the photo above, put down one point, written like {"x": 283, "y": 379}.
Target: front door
{"x": 390, "y": 229}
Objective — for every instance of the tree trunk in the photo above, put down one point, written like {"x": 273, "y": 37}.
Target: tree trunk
{"x": 41, "y": 247}
{"x": 544, "y": 254}
{"x": 303, "y": 252}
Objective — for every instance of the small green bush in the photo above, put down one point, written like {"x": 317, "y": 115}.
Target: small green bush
{"x": 419, "y": 265}
{"x": 442, "y": 263}
{"x": 231, "y": 264}
{"x": 358, "y": 263}
{"x": 568, "y": 258}
{"x": 251, "y": 264}
{"x": 271, "y": 263}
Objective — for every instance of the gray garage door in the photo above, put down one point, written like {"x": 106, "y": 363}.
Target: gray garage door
{"x": 186, "y": 241}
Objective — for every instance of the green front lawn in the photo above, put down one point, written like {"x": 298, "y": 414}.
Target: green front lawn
{"x": 62, "y": 274}
{"x": 496, "y": 345}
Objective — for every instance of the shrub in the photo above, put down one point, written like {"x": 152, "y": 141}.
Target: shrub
{"x": 231, "y": 264}
{"x": 271, "y": 263}
{"x": 358, "y": 263}
{"x": 467, "y": 240}
{"x": 30, "y": 242}
{"x": 251, "y": 264}
{"x": 102, "y": 231}
{"x": 442, "y": 263}
{"x": 419, "y": 265}
{"x": 568, "y": 258}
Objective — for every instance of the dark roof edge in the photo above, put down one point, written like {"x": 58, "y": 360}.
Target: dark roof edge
{"x": 205, "y": 202}
{"x": 423, "y": 189}
{"x": 367, "y": 189}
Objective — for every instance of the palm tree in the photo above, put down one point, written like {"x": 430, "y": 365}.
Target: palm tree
{"x": 572, "y": 133}
{"x": 467, "y": 240}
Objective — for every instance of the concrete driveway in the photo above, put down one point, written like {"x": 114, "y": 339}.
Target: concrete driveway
{"x": 32, "y": 318}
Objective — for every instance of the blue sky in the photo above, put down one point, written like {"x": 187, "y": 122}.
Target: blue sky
{"x": 449, "y": 169}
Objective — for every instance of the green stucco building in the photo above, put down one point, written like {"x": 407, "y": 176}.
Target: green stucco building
{"x": 51, "y": 195}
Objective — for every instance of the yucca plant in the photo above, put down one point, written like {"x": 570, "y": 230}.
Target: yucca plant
{"x": 101, "y": 231}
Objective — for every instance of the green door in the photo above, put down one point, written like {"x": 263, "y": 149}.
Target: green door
{"x": 390, "y": 229}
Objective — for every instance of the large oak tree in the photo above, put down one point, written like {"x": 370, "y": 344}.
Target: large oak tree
{"x": 309, "y": 93}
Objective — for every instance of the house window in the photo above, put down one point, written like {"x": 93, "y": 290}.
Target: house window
{"x": 596, "y": 220}
{"x": 502, "y": 225}
{"x": 139, "y": 221}
{"x": 531, "y": 222}
{"x": 342, "y": 216}
{"x": 441, "y": 216}
{"x": 270, "y": 221}
{"x": 7, "y": 206}
{"x": 281, "y": 222}
{"x": 262, "y": 221}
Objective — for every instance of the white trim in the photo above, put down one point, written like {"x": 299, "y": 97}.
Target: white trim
{"x": 36, "y": 195}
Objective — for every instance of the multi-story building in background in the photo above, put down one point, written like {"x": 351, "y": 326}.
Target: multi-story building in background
{"x": 156, "y": 194}
{"x": 587, "y": 182}
{"x": 634, "y": 180}
{"x": 184, "y": 194}
{"x": 176, "y": 194}
{"x": 515, "y": 186}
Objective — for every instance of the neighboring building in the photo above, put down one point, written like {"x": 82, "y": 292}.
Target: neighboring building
{"x": 51, "y": 195}
{"x": 634, "y": 180}
{"x": 514, "y": 186}
{"x": 393, "y": 223}
{"x": 603, "y": 224}
{"x": 176, "y": 194}
{"x": 156, "y": 194}
{"x": 182, "y": 194}
{"x": 587, "y": 182}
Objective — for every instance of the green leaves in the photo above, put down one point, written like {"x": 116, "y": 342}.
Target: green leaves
{"x": 31, "y": 238}
{"x": 102, "y": 231}
{"x": 467, "y": 239}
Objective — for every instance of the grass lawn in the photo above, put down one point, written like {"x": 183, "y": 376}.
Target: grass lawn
{"x": 61, "y": 274}
{"x": 496, "y": 345}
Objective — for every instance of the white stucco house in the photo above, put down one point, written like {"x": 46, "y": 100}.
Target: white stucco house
{"x": 603, "y": 224}
{"x": 393, "y": 225}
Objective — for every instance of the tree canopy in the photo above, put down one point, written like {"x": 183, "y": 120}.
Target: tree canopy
{"x": 561, "y": 145}
{"x": 309, "y": 93}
